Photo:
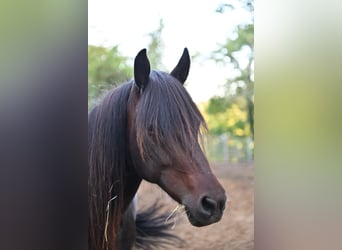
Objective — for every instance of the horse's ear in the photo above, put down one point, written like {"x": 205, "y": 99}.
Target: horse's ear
{"x": 142, "y": 69}
{"x": 181, "y": 71}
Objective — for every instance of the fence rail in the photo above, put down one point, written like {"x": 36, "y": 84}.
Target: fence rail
{"x": 229, "y": 149}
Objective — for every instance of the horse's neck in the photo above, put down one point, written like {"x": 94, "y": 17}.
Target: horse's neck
{"x": 131, "y": 185}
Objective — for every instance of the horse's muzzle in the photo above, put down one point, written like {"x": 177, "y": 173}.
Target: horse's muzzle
{"x": 209, "y": 210}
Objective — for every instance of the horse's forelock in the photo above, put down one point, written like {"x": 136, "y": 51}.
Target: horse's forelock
{"x": 167, "y": 117}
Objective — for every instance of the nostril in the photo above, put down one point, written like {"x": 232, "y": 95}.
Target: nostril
{"x": 222, "y": 205}
{"x": 209, "y": 205}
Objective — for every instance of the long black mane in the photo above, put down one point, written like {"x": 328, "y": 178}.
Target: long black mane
{"x": 108, "y": 156}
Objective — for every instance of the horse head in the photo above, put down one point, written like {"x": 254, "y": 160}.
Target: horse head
{"x": 164, "y": 130}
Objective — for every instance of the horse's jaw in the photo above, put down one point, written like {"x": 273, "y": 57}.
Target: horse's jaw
{"x": 203, "y": 204}
{"x": 132, "y": 184}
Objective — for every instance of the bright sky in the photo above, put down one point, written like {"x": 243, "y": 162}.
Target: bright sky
{"x": 192, "y": 24}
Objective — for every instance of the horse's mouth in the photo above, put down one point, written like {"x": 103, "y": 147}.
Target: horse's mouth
{"x": 201, "y": 221}
{"x": 192, "y": 219}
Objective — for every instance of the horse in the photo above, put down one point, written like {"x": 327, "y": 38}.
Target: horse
{"x": 149, "y": 129}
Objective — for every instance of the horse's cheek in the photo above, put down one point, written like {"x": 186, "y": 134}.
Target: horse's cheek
{"x": 172, "y": 183}
{"x": 149, "y": 171}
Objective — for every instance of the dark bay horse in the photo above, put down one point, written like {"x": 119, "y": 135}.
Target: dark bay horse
{"x": 148, "y": 128}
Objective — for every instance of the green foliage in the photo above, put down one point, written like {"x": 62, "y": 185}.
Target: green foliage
{"x": 224, "y": 116}
{"x": 106, "y": 68}
{"x": 217, "y": 105}
{"x": 245, "y": 37}
{"x": 233, "y": 112}
{"x": 156, "y": 47}
{"x": 246, "y": 4}
{"x": 242, "y": 84}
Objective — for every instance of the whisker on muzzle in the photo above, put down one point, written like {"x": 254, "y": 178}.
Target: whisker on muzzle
{"x": 175, "y": 214}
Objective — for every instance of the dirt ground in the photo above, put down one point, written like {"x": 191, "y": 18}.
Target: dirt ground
{"x": 235, "y": 231}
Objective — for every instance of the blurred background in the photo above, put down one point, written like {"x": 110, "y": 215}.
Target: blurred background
{"x": 220, "y": 38}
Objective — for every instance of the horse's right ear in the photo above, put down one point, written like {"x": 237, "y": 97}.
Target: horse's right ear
{"x": 142, "y": 69}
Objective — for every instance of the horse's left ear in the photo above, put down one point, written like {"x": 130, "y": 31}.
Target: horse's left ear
{"x": 142, "y": 69}
{"x": 181, "y": 71}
